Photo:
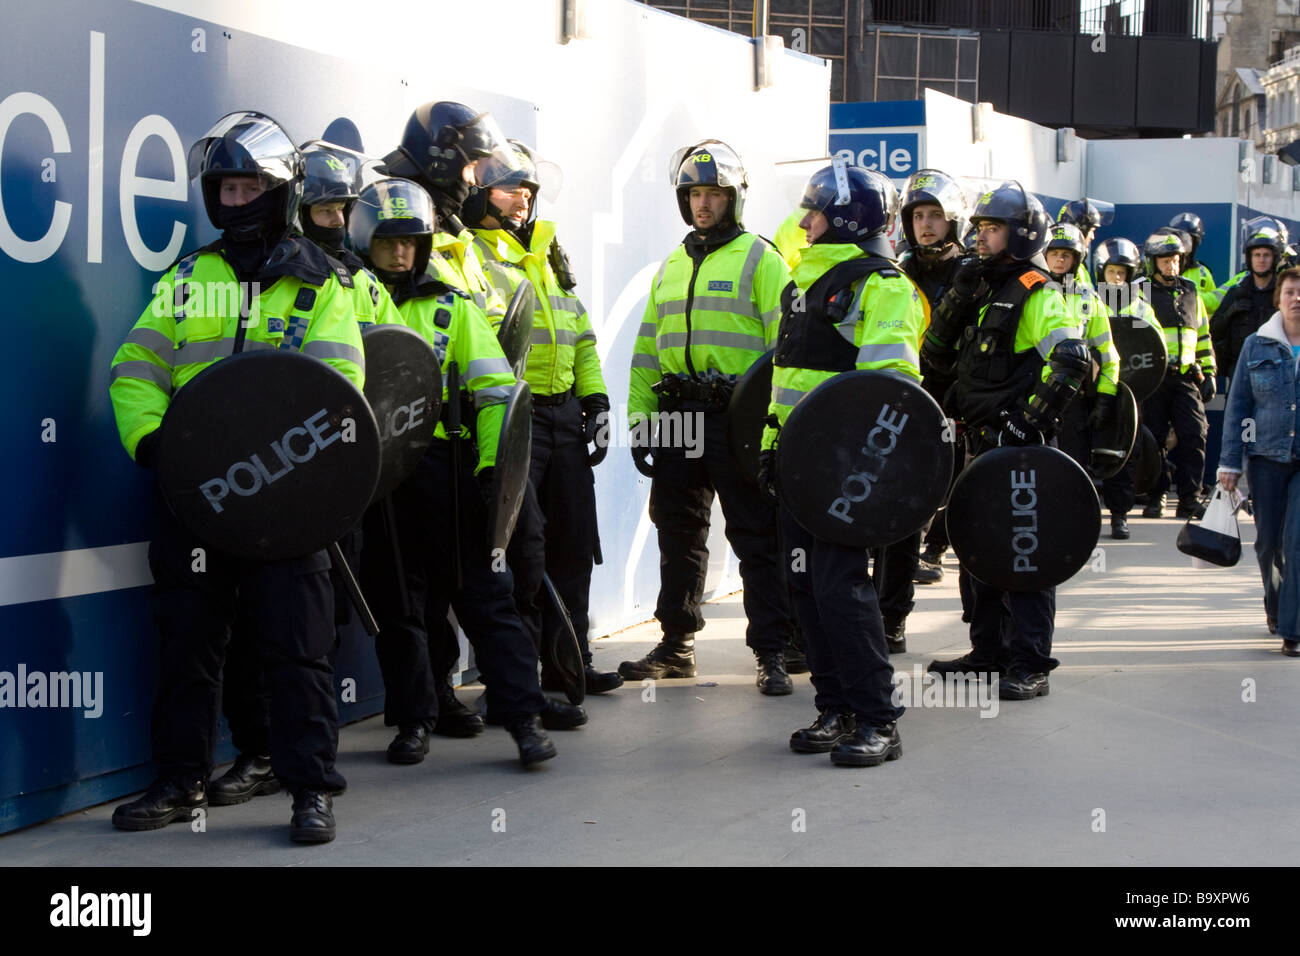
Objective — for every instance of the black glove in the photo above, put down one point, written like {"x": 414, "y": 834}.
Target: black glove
{"x": 1207, "y": 387}
{"x": 146, "y": 450}
{"x": 1103, "y": 412}
{"x": 592, "y": 407}
{"x": 1018, "y": 429}
{"x": 966, "y": 280}
{"x": 639, "y": 455}
{"x": 484, "y": 481}
{"x": 767, "y": 472}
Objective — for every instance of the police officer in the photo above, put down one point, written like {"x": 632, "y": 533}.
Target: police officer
{"x": 441, "y": 516}
{"x": 1092, "y": 413}
{"x": 713, "y": 310}
{"x": 934, "y": 218}
{"x": 1085, "y": 215}
{"x": 848, "y": 260}
{"x": 251, "y": 177}
{"x": 1179, "y": 401}
{"x": 1019, "y": 360}
{"x": 1117, "y": 263}
{"x": 1195, "y": 271}
{"x": 570, "y": 402}
{"x": 1248, "y": 303}
{"x": 440, "y": 145}
{"x": 331, "y": 184}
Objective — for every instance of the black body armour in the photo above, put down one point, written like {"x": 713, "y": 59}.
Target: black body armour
{"x": 822, "y": 337}
{"x": 991, "y": 376}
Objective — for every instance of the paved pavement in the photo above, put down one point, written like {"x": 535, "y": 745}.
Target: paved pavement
{"x": 1170, "y": 737}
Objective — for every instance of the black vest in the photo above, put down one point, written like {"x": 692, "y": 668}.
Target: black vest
{"x": 991, "y": 376}
{"x": 810, "y": 336}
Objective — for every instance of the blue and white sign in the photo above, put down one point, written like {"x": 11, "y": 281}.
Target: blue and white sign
{"x": 896, "y": 154}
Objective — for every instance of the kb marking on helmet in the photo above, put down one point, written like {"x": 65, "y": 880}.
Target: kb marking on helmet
{"x": 1024, "y": 505}
{"x": 876, "y": 454}
{"x": 395, "y": 207}
{"x": 215, "y": 489}
{"x": 703, "y": 158}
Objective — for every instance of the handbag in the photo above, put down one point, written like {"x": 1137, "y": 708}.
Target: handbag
{"x": 1215, "y": 540}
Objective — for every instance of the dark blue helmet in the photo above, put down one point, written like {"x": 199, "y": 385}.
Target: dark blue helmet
{"x": 1264, "y": 232}
{"x": 708, "y": 163}
{"x": 1086, "y": 213}
{"x": 249, "y": 143}
{"x": 1027, "y": 224}
{"x": 859, "y": 206}
{"x": 1191, "y": 224}
{"x": 930, "y": 186}
{"x": 1066, "y": 235}
{"x": 393, "y": 207}
{"x": 333, "y": 173}
{"x": 440, "y": 140}
{"x": 1117, "y": 252}
{"x": 494, "y": 173}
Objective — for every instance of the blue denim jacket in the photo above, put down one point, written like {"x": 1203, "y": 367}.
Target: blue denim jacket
{"x": 1266, "y": 391}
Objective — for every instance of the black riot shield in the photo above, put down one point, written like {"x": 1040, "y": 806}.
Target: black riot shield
{"x": 864, "y": 459}
{"x": 1148, "y": 462}
{"x": 514, "y": 456}
{"x": 560, "y": 648}
{"x": 1024, "y": 518}
{"x": 268, "y": 455}
{"x": 1142, "y": 354}
{"x": 1111, "y": 447}
{"x": 745, "y": 414}
{"x": 516, "y": 329}
{"x": 404, "y": 389}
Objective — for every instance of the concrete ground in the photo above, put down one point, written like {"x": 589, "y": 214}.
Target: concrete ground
{"x": 1170, "y": 737}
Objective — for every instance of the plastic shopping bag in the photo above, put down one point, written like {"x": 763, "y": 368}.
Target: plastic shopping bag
{"x": 1215, "y": 540}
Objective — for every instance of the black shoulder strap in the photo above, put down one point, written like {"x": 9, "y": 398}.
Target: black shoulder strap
{"x": 833, "y": 290}
{"x": 1003, "y": 313}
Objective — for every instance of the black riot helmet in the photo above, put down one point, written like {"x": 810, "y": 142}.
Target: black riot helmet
{"x": 527, "y": 169}
{"x": 1162, "y": 243}
{"x": 333, "y": 174}
{"x": 1027, "y": 222}
{"x": 440, "y": 140}
{"x": 1264, "y": 232}
{"x": 249, "y": 143}
{"x": 1065, "y": 235}
{"x": 932, "y": 187}
{"x": 859, "y": 206}
{"x": 1086, "y": 213}
{"x": 1117, "y": 252}
{"x": 708, "y": 163}
{"x": 1191, "y": 224}
{"x": 393, "y": 207}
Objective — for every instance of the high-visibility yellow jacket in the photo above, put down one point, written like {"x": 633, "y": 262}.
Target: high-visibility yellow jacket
{"x": 880, "y": 331}
{"x": 708, "y": 317}
{"x": 562, "y": 354}
{"x": 194, "y": 317}
{"x": 1188, "y": 344}
{"x": 453, "y": 261}
{"x": 1198, "y": 274}
{"x": 1089, "y": 314}
{"x": 459, "y": 332}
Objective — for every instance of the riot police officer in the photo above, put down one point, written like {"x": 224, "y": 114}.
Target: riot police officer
{"x": 1117, "y": 263}
{"x": 1179, "y": 401}
{"x": 713, "y": 310}
{"x": 1248, "y": 303}
{"x": 444, "y": 549}
{"x": 251, "y": 177}
{"x": 570, "y": 403}
{"x": 1019, "y": 360}
{"x": 1085, "y": 215}
{"x": 1195, "y": 271}
{"x": 848, "y": 259}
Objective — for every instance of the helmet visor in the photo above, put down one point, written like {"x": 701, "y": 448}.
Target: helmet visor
{"x": 333, "y": 172}
{"x": 714, "y": 164}
{"x": 484, "y": 140}
{"x": 398, "y": 207}
{"x": 246, "y": 143}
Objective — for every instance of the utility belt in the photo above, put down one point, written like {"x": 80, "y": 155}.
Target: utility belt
{"x": 676, "y": 388}
{"x": 550, "y": 401}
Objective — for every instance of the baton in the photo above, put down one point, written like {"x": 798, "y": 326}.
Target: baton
{"x": 354, "y": 590}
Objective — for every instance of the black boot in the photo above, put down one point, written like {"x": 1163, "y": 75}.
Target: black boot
{"x": 869, "y": 746}
{"x": 558, "y": 716}
{"x": 534, "y": 745}
{"x": 826, "y": 732}
{"x": 1022, "y": 686}
{"x": 1189, "y": 507}
{"x": 1119, "y": 527}
{"x": 410, "y": 745}
{"x": 772, "y": 678}
{"x": 894, "y": 636}
{"x": 601, "y": 682}
{"x": 250, "y": 777}
{"x": 1155, "y": 507}
{"x": 454, "y": 718}
{"x": 796, "y": 662}
{"x": 966, "y": 664}
{"x": 166, "y": 801}
{"x": 674, "y": 656}
{"x": 313, "y": 817}
{"x": 929, "y": 567}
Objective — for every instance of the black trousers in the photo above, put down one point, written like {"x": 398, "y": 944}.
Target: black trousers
{"x": 556, "y": 532}
{"x": 681, "y": 498}
{"x": 291, "y": 621}
{"x": 245, "y": 698}
{"x": 893, "y": 578}
{"x": 839, "y": 618}
{"x": 483, "y": 604}
{"x": 1177, "y": 404}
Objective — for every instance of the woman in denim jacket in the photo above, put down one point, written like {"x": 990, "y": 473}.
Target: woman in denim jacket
{"x": 1260, "y": 423}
